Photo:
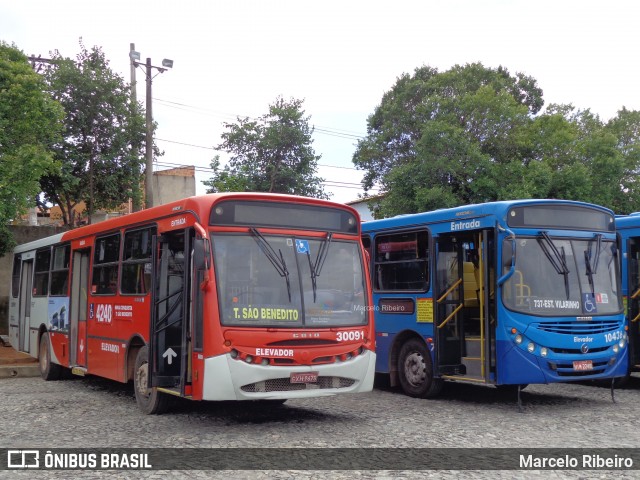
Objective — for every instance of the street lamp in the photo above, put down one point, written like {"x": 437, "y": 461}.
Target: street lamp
{"x": 166, "y": 64}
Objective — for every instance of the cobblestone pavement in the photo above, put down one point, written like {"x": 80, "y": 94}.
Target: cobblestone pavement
{"x": 92, "y": 412}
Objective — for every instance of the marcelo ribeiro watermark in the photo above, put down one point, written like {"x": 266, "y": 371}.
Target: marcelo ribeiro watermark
{"x": 586, "y": 462}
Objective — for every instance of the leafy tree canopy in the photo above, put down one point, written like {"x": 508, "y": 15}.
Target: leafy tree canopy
{"x": 272, "y": 153}
{"x": 104, "y": 132}
{"x": 474, "y": 134}
{"x": 30, "y": 122}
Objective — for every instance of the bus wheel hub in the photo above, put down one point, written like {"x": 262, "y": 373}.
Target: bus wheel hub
{"x": 415, "y": 368}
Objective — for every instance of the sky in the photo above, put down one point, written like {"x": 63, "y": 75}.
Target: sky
{"x": 234, "y": 58}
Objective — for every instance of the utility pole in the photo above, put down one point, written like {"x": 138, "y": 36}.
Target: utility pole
{"x": 148, "y": 174}
{"x": 137, "y": 201}
{"x": 148, "y": 183}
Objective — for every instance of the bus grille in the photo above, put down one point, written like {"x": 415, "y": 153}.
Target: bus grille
{"x": 574, "y": 351}
{"x": 578, "y": 328}
{"x": 285, "y": 385}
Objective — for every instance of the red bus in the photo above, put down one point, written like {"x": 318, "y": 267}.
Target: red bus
{"x": 234, "y": 296}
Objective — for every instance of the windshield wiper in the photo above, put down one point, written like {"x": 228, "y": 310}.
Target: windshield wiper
{"x": 277, "y": 261}
{"x": 316, "y": 267}
{"x": 592, "y": 270}
{"x": 556, "y": 257}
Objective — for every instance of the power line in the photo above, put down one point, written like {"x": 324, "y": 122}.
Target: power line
{"x": 331, "y": 183}
{"x": 336, "y": 133}
{"x": 214, "y": 150}
{"x": 330, "y": 131}
{"x": 187, "y": 144}
{"x": 210, "y": 170}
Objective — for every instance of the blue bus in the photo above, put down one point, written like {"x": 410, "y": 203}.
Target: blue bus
{"x": 504, "y": 293}
{"x": 628, "y": 228}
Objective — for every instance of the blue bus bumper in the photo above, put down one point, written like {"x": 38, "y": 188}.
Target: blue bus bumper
{"x": 518, "y": 366}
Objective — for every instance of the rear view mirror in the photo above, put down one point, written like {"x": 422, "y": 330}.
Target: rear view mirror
{"x": 201, "y": 253}
{"x": 508, "y": 252}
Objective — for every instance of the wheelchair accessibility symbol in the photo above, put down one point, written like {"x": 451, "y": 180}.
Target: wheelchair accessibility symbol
{"x": 302, "y": 246}
{"x": 589, "y": 303}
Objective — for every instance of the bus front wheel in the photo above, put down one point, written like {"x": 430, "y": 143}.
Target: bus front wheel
{"x": 415, "y": 370}
{"x": 150, "y": 400}
{"x": 48, "y": 370}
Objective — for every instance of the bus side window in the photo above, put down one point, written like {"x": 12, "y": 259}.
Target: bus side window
{"x": 105, "y": 265}
{"x": 136, "y": 262}
{"x": 41, "y": 276}
{"x": 401, "y": 261}
{"x": 60, "y": 270}
{"x": 15, "y": 276}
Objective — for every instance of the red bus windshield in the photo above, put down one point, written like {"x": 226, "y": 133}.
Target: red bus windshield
{"x": 286, "y": 281}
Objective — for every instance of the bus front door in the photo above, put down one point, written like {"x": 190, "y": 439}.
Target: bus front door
{"x": 633, "y": 300}
{"x": 168, "y": 345}
{"x": 464, "y": 306}
{"x": 449, "y": 304}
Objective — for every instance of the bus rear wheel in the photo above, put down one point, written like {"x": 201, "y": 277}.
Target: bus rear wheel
{"x": 48, "y": 370}
{"x": 415, "y": 370}
{"x": 150, "y": 400}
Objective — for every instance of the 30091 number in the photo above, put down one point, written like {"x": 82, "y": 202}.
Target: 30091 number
{"x": 350, "y": 336}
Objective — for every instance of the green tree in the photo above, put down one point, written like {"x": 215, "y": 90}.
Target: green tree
{"x": 625, "y": 127}
{"x": 443, "y": 139}
{"x": 104, "y": 132}
{"x": 30, "y": 122}
{"x": 586, "y": 159}
{"x": 272, "y": 153}
{"x": 474, "y": 134}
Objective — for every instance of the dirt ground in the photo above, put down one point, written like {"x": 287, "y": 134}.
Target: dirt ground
{"x": 9, "y": 356}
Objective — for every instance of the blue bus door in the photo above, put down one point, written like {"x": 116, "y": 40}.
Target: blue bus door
{"x": 464, "y": 306}
{"x": 449, "y": 303}
{"x": 633, "y": 301}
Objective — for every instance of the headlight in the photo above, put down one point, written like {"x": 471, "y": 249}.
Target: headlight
{"x": 544, "y": 352}
{"x": 616, "y": 349}
{"x": 518, "y": 339}
{"x": 248, "y": 359}
{"x": 621, "y": 343}
{"x": 531, "y": 347}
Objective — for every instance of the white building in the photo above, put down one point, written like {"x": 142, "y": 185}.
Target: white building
{"x": 362, "y": 207}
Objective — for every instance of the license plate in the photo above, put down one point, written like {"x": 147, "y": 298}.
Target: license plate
{"x": 582, "y": 365}
{"x": 304, "y": 377}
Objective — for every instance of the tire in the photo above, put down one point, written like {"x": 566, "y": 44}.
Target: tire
{"x": 150, "y": 400}
{"x": 415, "y": 370}
{"x": 48, "y": 370}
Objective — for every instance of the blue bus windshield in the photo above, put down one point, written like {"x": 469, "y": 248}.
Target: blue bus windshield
{"x": 563, "y": 277}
